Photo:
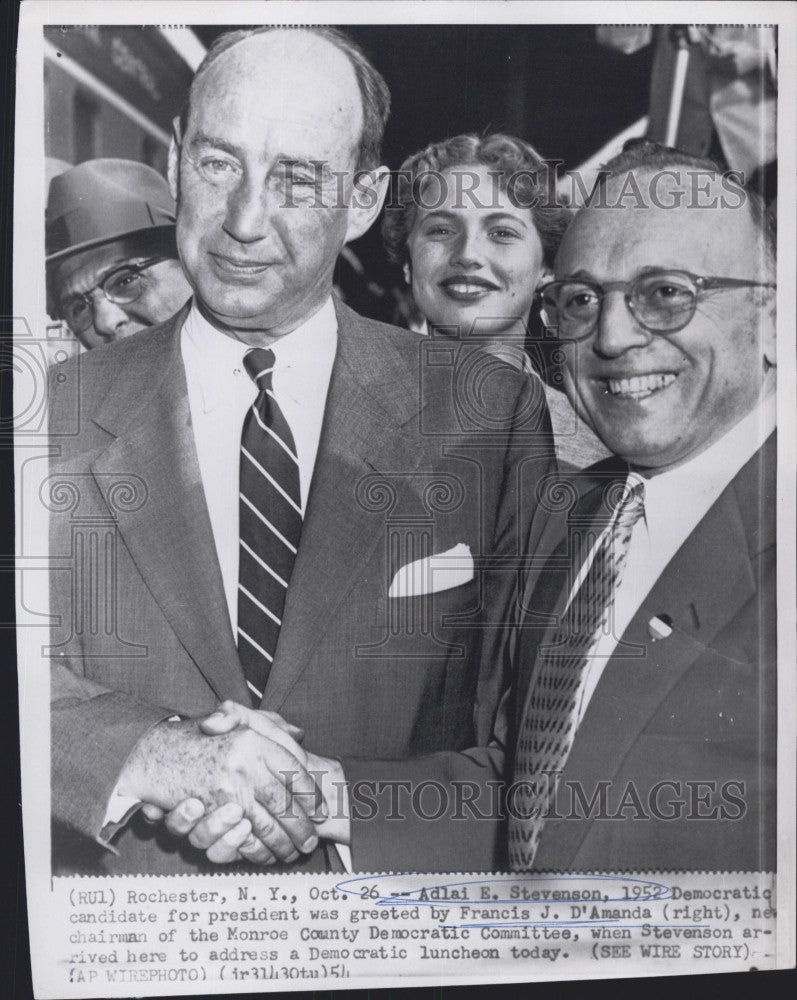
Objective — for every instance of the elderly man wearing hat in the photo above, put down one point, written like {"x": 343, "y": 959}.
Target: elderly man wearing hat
{"x": 112, "y": 266}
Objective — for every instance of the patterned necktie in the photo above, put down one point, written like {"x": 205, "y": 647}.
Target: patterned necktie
{"x": 550, "y": 718}
{"x": 270, "y": 525}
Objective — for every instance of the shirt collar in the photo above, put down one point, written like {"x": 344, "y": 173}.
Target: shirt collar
{"x": 215, "y": 361}
{"x": 685, "y": 493}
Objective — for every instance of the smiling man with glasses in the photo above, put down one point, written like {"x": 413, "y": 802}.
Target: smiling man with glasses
{"x": 643, "y": 722}
{"x": 112, "y": 266}
{"x": 666, "y": 314}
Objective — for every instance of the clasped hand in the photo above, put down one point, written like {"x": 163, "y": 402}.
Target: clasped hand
{"x": 236, "y": 783}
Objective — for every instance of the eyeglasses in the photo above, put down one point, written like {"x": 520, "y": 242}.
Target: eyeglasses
{"x": 661, "y": 301}
{"x": 123, "y": 285}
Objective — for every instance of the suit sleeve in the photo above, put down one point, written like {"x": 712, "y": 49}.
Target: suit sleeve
{"x": 396, "y": 806}
{"x": 443, "y": 811}
{"x": 93, "y": 729}
{"x": 93, "y": 732}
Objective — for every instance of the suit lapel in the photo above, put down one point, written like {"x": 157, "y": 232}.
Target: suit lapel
{"x": 169, "y": 537}
{"x": 702, "y": 589}
{"x": 548, "y": 586}
{"x": 371, "y": 396}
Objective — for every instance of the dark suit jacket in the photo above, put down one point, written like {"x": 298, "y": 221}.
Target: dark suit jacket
{"x": 696, "y": 709}
{"x": 412, "y": 460}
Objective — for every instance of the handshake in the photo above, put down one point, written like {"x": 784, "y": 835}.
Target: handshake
{"x": 238, "y": 785}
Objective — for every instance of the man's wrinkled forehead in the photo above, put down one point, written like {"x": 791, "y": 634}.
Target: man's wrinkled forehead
{"x": 291, "y": 79}
{"x": 668, "y": 218}
{"x": 83, "y": 270}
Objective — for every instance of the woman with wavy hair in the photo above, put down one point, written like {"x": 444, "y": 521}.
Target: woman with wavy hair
{"x": 475, "y": 224}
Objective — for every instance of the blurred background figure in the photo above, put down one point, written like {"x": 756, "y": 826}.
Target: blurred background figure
{"x": 729, "y": 97}
{"x": 474, "y": 229}
{"x": 112, "y": 266}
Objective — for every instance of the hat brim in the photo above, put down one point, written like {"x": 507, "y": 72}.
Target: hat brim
{"x": 99, "y": 241}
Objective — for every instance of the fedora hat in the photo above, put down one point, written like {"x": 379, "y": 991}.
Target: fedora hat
{"x": 102, "y": 200}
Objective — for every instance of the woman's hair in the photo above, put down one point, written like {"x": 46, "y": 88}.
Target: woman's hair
{"x": 519, "y": 170}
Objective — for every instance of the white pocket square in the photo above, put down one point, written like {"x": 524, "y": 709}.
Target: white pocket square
{"x": 432, "y": 574}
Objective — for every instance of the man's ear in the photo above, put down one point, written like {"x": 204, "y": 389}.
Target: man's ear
{"x": 367, "y": 197}
{"x": 173, "y": 171}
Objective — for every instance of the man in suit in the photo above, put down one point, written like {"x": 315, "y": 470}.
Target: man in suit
{"x": 640, "y": 732}
{"x": 269, "y": 502}
{"x": 652, "y": 698}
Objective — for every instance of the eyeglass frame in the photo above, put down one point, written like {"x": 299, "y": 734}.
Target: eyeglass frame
{"x": 703, "y": 283}
{"x": 88, "y": 297}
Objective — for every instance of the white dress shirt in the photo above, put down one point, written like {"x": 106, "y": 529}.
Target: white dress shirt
{"x": 675, "y": 502}
{"x": 219, "y": 394}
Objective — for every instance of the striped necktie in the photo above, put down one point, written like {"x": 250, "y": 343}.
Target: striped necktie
{"x": 270, "y": 524}
{"x": 550, "y": 719}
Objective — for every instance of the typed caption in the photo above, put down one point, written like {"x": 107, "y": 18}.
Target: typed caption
{"x": 108, "y": 937}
